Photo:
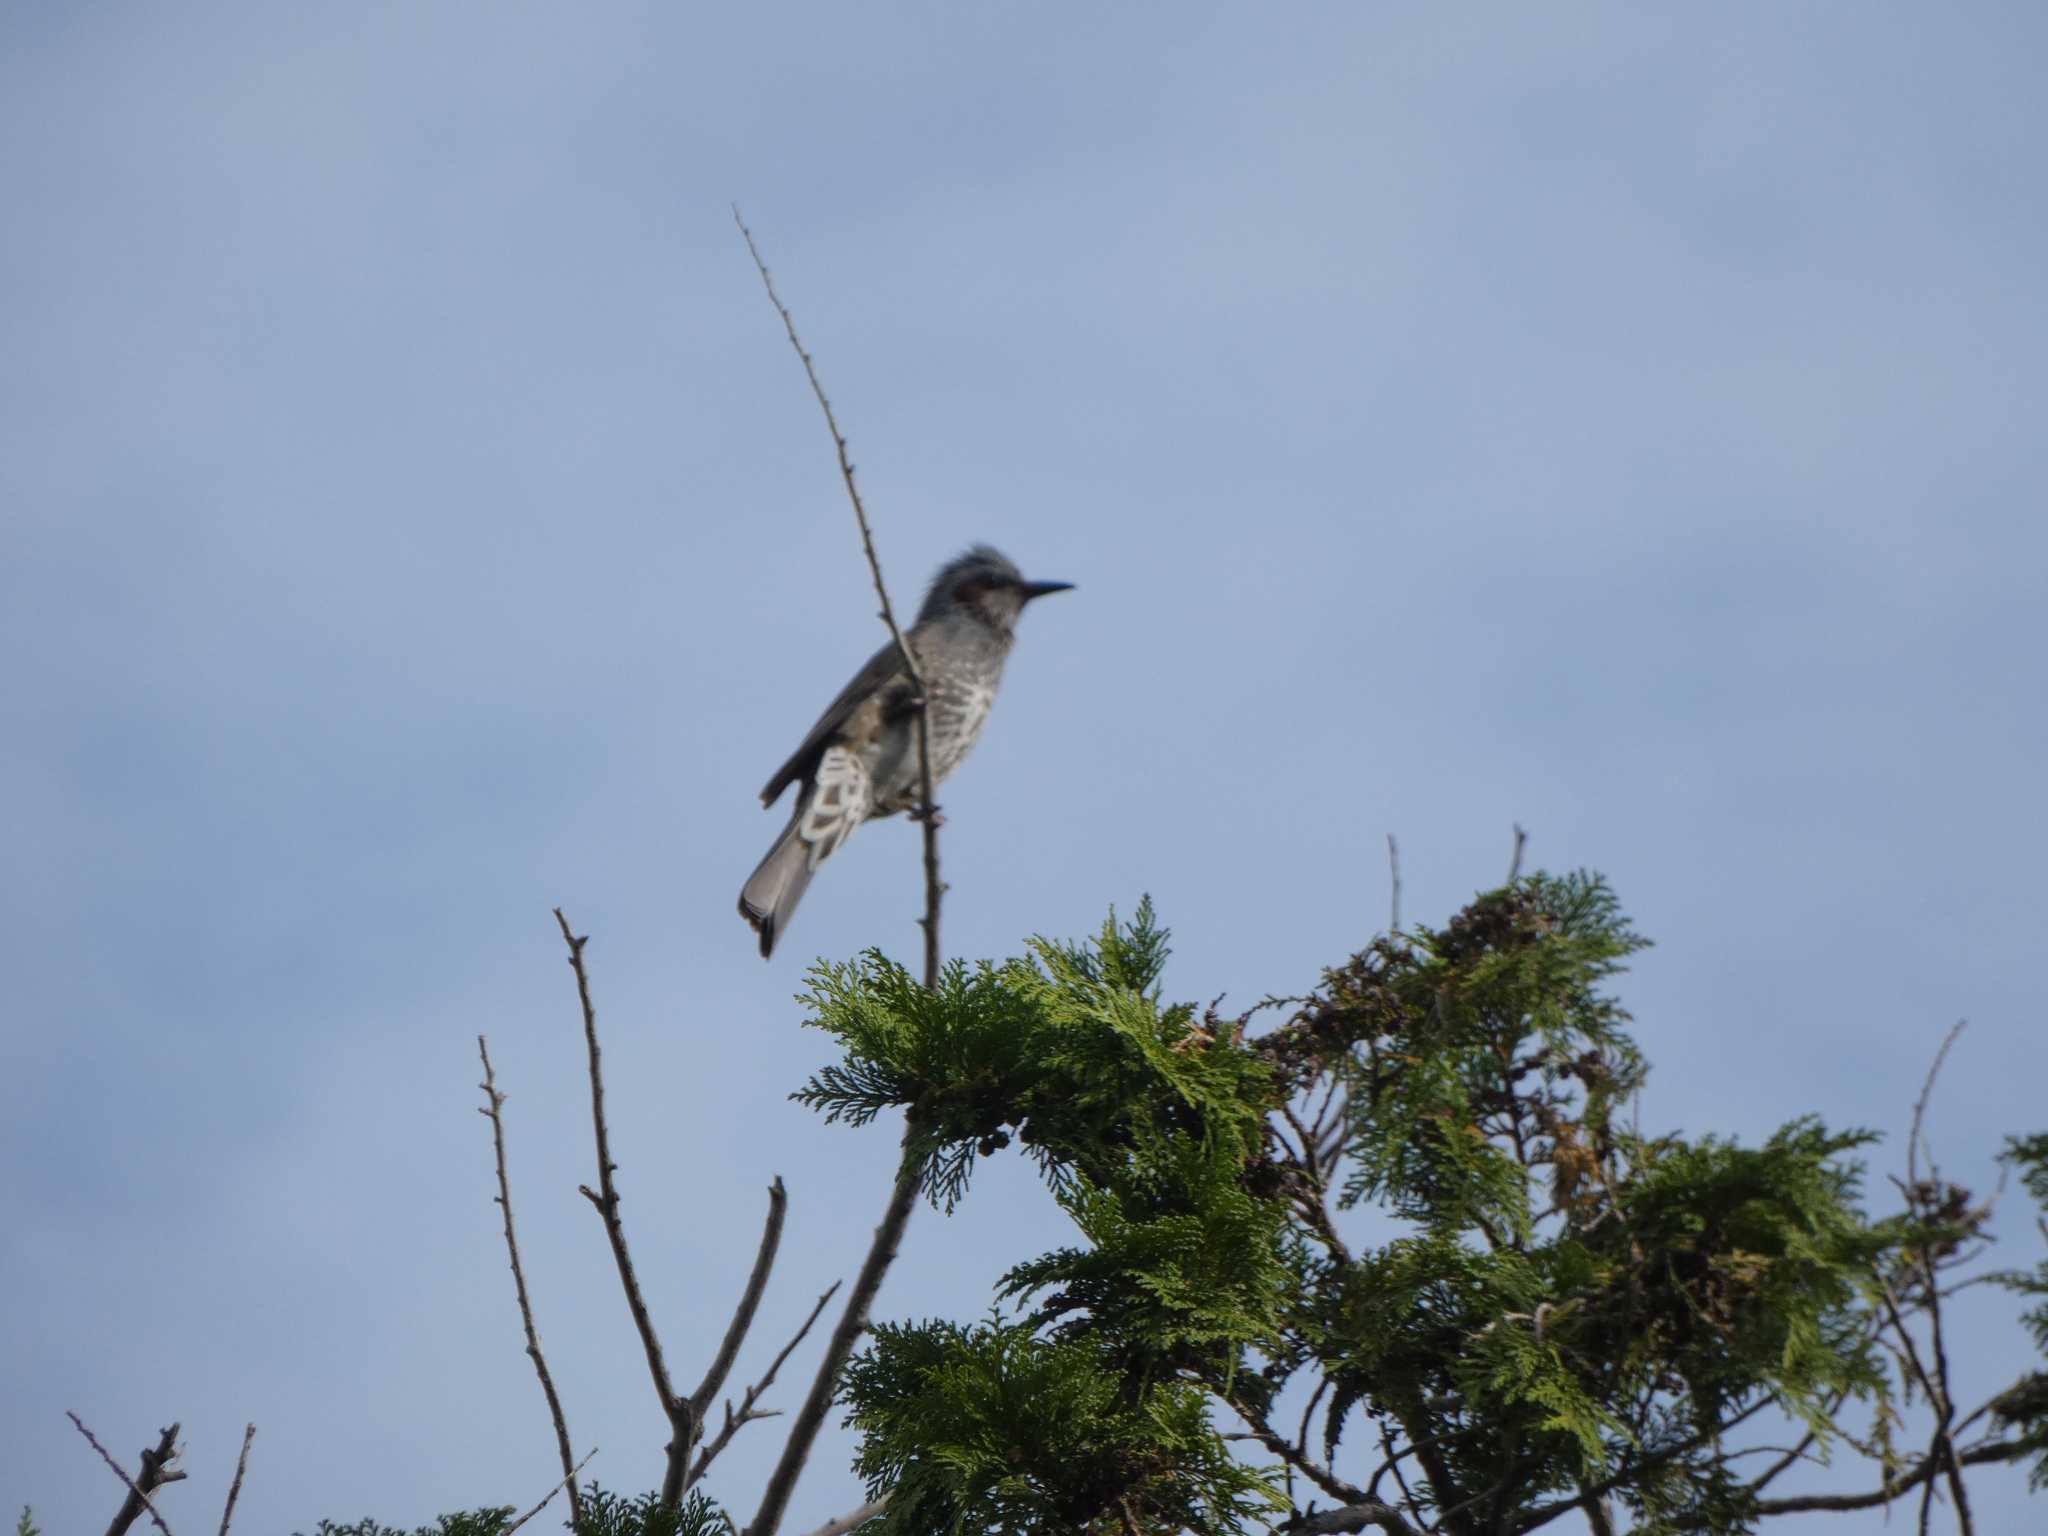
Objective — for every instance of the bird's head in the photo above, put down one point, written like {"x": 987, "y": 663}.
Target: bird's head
{"x": 984, "y": 585}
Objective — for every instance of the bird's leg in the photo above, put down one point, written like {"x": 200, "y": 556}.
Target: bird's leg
{"x": 917, "y": 813}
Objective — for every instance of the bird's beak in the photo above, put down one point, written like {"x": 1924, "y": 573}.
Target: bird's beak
{"x": 1033, "y": 589}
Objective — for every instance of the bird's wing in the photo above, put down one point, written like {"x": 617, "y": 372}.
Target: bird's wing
{"x": 884, "y": 667}
{"x": 837, "y": 803}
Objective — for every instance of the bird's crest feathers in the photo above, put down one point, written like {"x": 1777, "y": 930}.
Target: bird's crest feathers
{"x": 982, "y": 560}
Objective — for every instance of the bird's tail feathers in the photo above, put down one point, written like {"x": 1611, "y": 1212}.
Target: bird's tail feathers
{"x": 831, "y": 805}
{"x": 769, "y": 898}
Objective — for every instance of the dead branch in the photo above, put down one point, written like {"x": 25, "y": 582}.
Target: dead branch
{"x": 568, "y": 1481}
{"x": 1309, "y": 1468}
{"x": 1394, "y": 882}
{"x": 157, "y": 1469}
{"x": 1917, "y": 1140}
{"x": 743, "y": 1315}
{"x": 682, "y": 1429}
{"x": 1927, "y": 1467}
{"x": 241, "y": 1470}
{"x": 734, "y": 1423}
{"x": 1515, "y": 862}
{"x": 494, "y": 1104}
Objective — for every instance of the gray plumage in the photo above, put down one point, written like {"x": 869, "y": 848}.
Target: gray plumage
{"x": 860, "y": 760}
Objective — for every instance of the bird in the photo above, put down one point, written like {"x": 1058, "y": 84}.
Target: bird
{"x": 860, "y": 760}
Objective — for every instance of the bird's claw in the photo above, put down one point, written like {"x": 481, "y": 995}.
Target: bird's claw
{"x": 919, "y": 813}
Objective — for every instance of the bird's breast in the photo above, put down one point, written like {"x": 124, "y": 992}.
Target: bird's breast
{"x": 958, "y": 714}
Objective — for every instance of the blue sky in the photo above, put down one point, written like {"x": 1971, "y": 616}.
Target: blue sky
{"x": 1619, "y": 420}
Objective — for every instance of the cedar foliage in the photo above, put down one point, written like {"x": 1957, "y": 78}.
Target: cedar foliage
{"x": 1568, "y": 1310}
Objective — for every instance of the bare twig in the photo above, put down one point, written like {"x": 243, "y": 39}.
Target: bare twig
{"x": 235, "y": 1488}
{"x": 568, "y": 1481}
{"x": 852, "y": 1323}
{"x": 1309, "y": 1468}
{"x": 934, "y": 888}
{"x": 1920, "y": 1472}
{"x": 1515, "y": 862}
{"x": 1798, "y": 1452}
{"x": 743, "y": 1315}
{"x": 854, "y": 1521}
{"x": 1543, "y": 1514}
{"x": 1394, "y": 883}
{"x": 1943, "y": 1447}
{"x": 1313, "y": 1202}
{"x": 735, "y": 1422}
{"x": 157, "y": 1469}
{"x": 1308, "y": 1410}
{"x": 1917, "y": 1140}
{"x": 682, "y": 1429}
{"x": 493, "y": 1107}
{"x": 909, "y": 1173}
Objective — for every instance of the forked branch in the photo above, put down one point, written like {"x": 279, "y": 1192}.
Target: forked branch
{"x": 735, "y": 1422}
{"x": 682, "y": 1426}
{"x": 158, "y": 1467}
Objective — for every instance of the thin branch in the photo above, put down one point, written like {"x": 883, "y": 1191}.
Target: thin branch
{"x": 934, "y": 888}
{"x": 1314, "y": 1203}
{"x": 1943, "y": 1448}
{"x": 682, "y": 1428}
{"x": 235, "y": 1488}
{"x": 1390, "y": 1463}
{"x": 1308, "y": 1412}
{"x": 1543, "y": 1514}
{"x": 568, "y": 1481}
{"x": 1796, "y": 1453}
{"x": 1394, "y": 1466}
{"x": 734, "y": 1423}
{"x": 157, "y": 1469}
{"x": 1309, "y": 1468}
{"x": 1352, "y": 1517}
{"x": 853, "y": 1322}
{"x": 1916, "y": 1140}
{"x": 750, "y": 1299}
{"x": 1922, "y": 1470}
{"x": 854, "y": 1521}
{"x": 1394, "y": 883}
{"x": 909, "y": 1174}
{"x": 494, "y": 1104}
{"x": 1515, "y": 862}
{"x": 1946, "y": 1408}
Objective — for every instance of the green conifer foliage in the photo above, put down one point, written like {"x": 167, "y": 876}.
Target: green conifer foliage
{"x": 1559, "y": 1312}
{"x": 2024, "y": 1406}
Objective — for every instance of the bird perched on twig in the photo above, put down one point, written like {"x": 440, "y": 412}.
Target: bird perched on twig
{"x": 860, "y": 760}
